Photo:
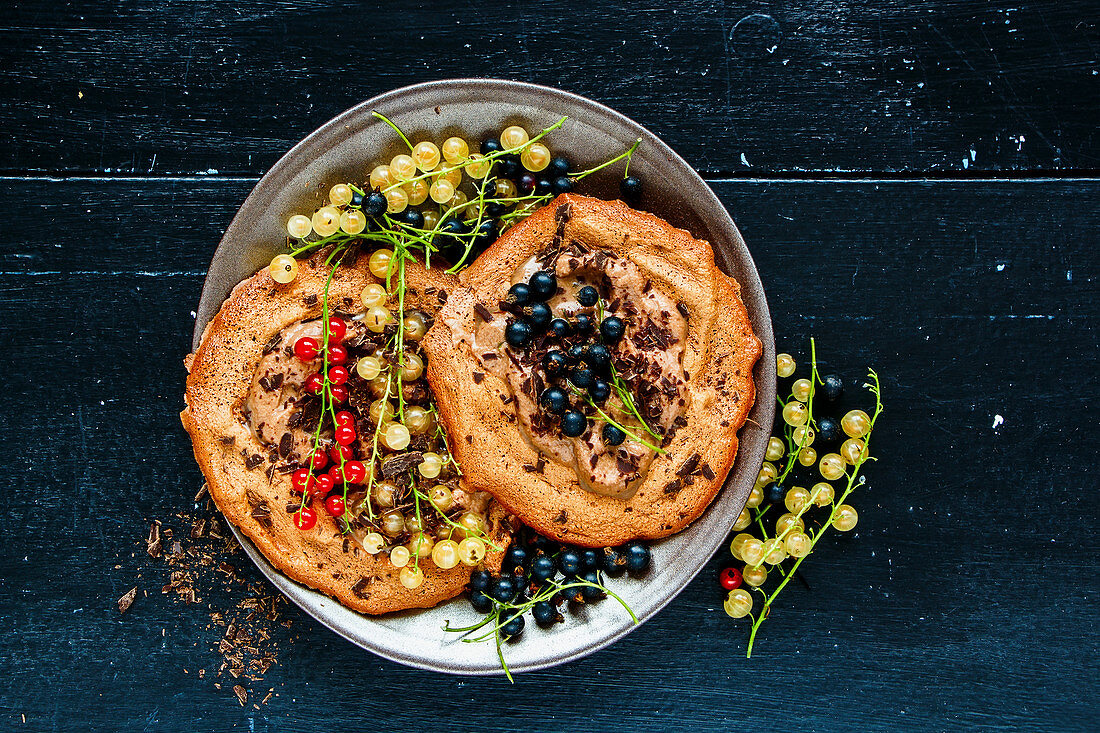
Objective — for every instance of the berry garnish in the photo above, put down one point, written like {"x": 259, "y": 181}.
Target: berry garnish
{"x": 573, "y": 423}
{"x": 637, "y": 557}
{"x": 631, "y": 188}
{"x": 504, "y": 589}
{"x": 490, "y": 145}
{"x": 559, "y": 166}
{"x": 345, "y": 418}
{"x": 516, "y": 556}
{"x": 598, "y": 357}
{"x": 583, "y": 323}
{"x": 315, "y": 384}
{"x": 828, "y": 430}
{"x": 544, "y": 613}
{"x": 555, "y": 400}
{"x": 538, "y": 315}
{"x": 337, "y": 354}
{"x": 302, "y": 480}
{"x": 774, "y": 493}
{"x": 588, "y": 296}
{"x": 591, "y": 592}
{"x": 320, "y": 460}
{"x": 305, "y": 518}
{"x": 345, "y": 435}
{"x": 543, "y": 187}
{"x": 339, "y": 393}
{"x": 513, "y": 627}
{"x": 833, "y": 387}
{"x": 338, "y": 375}
{"x": 612, "y": 329}
{"x": 413, "y": 218}
{"x": 481, "y": 602}
{"x": 570, "y": 562}
{"x": 554, "y": 363}
{"x": 542, "y": 568}
{"x": 600, "y": 390}
{"x": 581, "y": 377}
{"x": 325, "y": 484}
{"x": 576, "y": 353}
{"x": 307, "y": 348}
{"x": 730, "y": 578}
{"x": 375, "y": 204}
{"x": 560, "y": 327}
{"x": 612, "y": 561}
{"x": 543, "y": 285}
{"x": 339, "y": 452}
{"x": 480, "y": 579}
{"x": 526, "y": 183}
{"x": 354, "y": 472}
{"x": 337, "y": 329}
{"x": 519, "y": 294}
{"x": 612, "y": 435}
{"x": 561, "y": 184}
{"x": 517, "y": 334}
{"x": 334, "y": 505}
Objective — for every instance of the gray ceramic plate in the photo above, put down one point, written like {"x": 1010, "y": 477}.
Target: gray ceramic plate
{"x": 345, "y": 149}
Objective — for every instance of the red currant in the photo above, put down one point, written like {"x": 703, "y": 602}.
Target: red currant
{"x": 334, "y": 505}
{"x": 325, "y": 484}
{"x": 302, "y": 480}
{"x": 345, "y": 418}
{"x": 355, "y": 472}
{"x": 340, "y": 452}
{"x": 337, "y": 329}
{"x": 345, "y": 435}
{"x": 315, "y": 383}
{"x": 306, "y": 348}
{"x": 335, "y": 475}
{"x": 337, "y": 375}
{"x": 320, "y": 460}
{"x": 337, "y": 354}
{"x": 339, "y": 393}
{"x": 730, "y": 578}
{"x": 305, "y": 518}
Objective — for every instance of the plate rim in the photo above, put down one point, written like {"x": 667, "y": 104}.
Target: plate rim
{"x": 284, "y": 170}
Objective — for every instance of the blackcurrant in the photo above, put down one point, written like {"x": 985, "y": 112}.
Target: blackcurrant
{"x": 774, "y": 493}
{"x": 413, "y": 218}
{"x": 581, "y": 377}
{"x": 612, "y": 435}
{"x": 828, "y": 430}
{"x": 527, "y": 183}
{"x": 588, "y": 296}
{"x": 356, "y": 199}
{"x": 583, "y": 323}
{"x": 555, "y": 400}
{"x": 573, "y": 423}
{"x": 576, "y": 353}
{"x": 600, "y": 390}
{"x": 538, "y": 315}
{"x": 598, "y": 357}
{"x": 545, "y": 614}
{"x": 517, "y": 334}
{"x": 508, "y": 166}
{"x": 637, "y": 557}
{"x": 480, "y": 579}
{"x": 481, "y": 602}
{"x": 590, "y": 559}
{"x": 612, "y": 329}
{"x": 504, "y": 589}
{"x": 490, "y": 145}
{"x": 516, "y": 557}
{"x": 612, "y": 561}
{"x": 833, "y": 387}
{"x": 375, "y": 204}
{"x": 631, "y": 188}
{"x": 513, "y": 627}
{"x": 542, "y": 568}
{"x": 591, "y": 592}
{"x": 543, "y": 285}
{"x": 559, "y": 166}
{"x": 560, "y": 327}
{"x": 561, "y": 184}
{"x": 543, "y": 187}
{"x": 570, "y": 562}
{"x": 554, "y": 363}
{"x": 518, "y": 294}
{"x": 486, "y": 233}
{"x": 495, "y": 208}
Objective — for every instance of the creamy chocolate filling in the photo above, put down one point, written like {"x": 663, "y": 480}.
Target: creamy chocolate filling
{"x": 648, "y": 359}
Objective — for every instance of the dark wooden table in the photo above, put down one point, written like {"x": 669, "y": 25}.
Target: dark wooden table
{"x": 917, "y": 182}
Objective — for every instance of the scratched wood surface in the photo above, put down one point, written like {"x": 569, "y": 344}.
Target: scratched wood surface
{"x": 966, "y": 599}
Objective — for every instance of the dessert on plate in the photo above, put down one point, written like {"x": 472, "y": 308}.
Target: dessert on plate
{"x": 323, "y": 446}
{"x": 594, "y": 366}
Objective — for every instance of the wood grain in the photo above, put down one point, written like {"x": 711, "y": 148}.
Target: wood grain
{"x": 966, "y": 599}
{"x": 750, "y": 88}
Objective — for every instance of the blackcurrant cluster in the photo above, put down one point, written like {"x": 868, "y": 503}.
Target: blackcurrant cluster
{"x": 578, "y": 362}
{"x": 535, "y": 565}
